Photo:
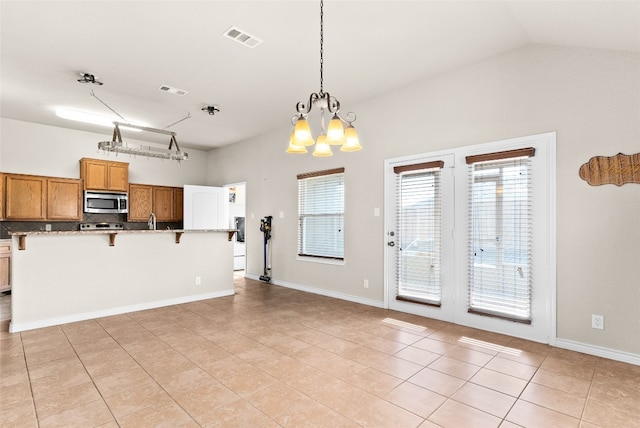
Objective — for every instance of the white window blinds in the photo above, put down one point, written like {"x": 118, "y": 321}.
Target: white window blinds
{"x": 500, "y": 234}
{"x": 418, "y": 190}
{"x": 321, "y": 214}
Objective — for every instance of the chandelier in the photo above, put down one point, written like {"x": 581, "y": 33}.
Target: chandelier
{"x": 335, "y": 134}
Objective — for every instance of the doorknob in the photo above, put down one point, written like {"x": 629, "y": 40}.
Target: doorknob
{"x": 391, "y": 244}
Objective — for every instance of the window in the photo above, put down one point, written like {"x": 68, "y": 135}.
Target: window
{"x": 321, "y": 214}
{"x": 500, "y": 234}
{"x": 418, "y": 216}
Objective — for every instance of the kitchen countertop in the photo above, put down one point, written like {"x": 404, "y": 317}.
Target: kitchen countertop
{"x": 22, "y": 236}
{"x": 109, "y": 232}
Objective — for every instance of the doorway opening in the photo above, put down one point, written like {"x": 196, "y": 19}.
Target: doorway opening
{"x": 237, "y": 220}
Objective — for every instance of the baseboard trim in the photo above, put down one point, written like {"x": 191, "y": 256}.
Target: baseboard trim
{"x": 32, "y": 325}
{"x": 323, "y": 292}
{"x": 598, "y": 351}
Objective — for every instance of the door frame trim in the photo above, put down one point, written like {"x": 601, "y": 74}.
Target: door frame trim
{"x": 545, "y": 140}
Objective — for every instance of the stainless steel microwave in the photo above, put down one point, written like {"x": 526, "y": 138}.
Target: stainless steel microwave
{"x": 105, "y": 203}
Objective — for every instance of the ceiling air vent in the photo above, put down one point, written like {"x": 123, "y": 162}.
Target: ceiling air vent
{"x": 172, "y": 90}
{"x": 242, "y": 37}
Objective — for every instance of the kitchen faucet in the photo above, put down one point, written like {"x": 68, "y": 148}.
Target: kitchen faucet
{"x": 152, "y": 221}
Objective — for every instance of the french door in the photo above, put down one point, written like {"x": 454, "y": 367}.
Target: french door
{"x": 470, "y": 236}
{"x": 419, "y": 239}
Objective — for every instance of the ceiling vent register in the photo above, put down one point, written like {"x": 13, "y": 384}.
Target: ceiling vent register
{"x": 242, "y": 37}
{"x": 172, "y": 90}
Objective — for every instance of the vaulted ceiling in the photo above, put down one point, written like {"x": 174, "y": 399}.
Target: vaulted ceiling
{"x": 370, "y": 47}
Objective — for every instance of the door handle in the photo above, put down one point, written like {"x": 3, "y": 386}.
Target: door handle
{"x": 391, "y": 244}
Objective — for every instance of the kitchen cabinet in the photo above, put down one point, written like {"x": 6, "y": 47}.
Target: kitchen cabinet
{"x": 140, "y": 202}
{"x": 64, "y": 199}
{"x": 1, "y": 196}
{"x": 5, "y": 265}
{"x": 104, "y": 175}
{"x": 164, "y": 201}
{"x": 178, "y": 196}
{"x": 26, "y": 197}
{"x": 38, "y": 198}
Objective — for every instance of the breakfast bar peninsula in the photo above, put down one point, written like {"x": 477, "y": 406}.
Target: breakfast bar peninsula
{"x": 62, "y": 277}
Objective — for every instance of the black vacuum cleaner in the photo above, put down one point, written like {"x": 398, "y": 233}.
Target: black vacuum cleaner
{"x": 265, "y": 228}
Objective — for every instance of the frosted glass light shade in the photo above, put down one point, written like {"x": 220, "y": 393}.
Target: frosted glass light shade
{"x": 295, "y": 148}
{"x": 302, "y": 132}
{"x": 322, "y": 148}
{"x": 335, "y": 131}
{"x": 352, "y": 143}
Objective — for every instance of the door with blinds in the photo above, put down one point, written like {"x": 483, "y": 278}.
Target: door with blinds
{"x": 419, "y": 241}
{"x": 470, "y": 236}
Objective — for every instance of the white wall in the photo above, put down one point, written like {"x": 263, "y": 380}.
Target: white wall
{"x": 79, "y": 276}
{"x": 29, "y": 148}
{"x": 591, "y": 98}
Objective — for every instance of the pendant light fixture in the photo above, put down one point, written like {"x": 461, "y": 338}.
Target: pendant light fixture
{"x": 333, "y": 135}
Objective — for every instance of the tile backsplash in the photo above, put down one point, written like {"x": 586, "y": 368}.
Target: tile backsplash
{"x": 56, "y": 226}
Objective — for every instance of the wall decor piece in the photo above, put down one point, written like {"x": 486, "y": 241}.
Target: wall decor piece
{"x": 618, "y": 170}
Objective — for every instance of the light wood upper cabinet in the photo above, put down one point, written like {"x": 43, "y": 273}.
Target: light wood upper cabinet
{"x": 33, "y": 197}
{"x": 163, "y": 203}
{"x": 140, "y": 202}
{"x": 26, "y": 197}
{"x": 64, "y": 199}
{"x": 118, "y": 176}
{"x": 178, "y": 196}
{"x": 104, "y": 175}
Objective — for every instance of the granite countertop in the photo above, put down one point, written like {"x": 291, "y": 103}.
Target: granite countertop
{"x": 108, "y": 232}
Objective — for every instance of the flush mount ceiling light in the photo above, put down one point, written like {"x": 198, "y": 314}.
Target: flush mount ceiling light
{"x": 335, "y": 133}
{"x": 89, "y": 78}
{"x": 211, "y": 109}
{"x": 117, "y": 146}
{"x": 86, "y": 117}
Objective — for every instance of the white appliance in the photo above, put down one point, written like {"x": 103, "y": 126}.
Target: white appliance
{"x": 206, "y": 207}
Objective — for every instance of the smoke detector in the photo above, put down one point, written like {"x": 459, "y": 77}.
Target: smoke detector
{"x": 242, "y": 37}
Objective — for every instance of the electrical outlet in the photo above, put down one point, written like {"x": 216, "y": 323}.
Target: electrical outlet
{"x": 597, "y": 322}
{"x": 198, "y": 280}
{"x": 365, "y": 283}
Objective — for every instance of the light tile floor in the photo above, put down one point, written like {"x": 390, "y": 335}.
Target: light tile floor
{"x": 271, "y": 356}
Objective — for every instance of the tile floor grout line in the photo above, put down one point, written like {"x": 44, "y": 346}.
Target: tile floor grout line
{"x": 89, "y": 374}
{"x": 142, "y": 368}
{"x": 197, "y": 365}
{"x": 26, "y": 367}
{"x": 586, "y": 400}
